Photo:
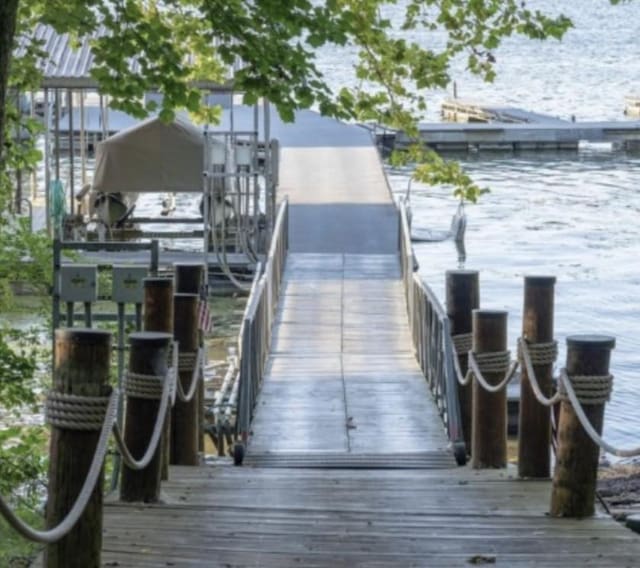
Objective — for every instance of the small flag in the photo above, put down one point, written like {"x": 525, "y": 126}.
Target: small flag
{"x": 205, "y": 319}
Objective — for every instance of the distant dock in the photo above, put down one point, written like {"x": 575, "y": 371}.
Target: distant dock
{"x": 476, "y": 127}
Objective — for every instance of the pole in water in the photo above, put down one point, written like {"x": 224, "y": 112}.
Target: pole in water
{"x": 148, "y": 357}
{"x": 158, "y": 316}
{"x": 534, "y": 423}
{"x": 462, "y": 297}
{"x": 184, "y": 423}
{"x": 189, "y": 279}
{"x": 575, "y": 475}
{"x": 81, "y": 368}
{"x": 489, "y": 416}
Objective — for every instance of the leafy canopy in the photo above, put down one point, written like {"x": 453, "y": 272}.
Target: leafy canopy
{"x": 177, "y": 43}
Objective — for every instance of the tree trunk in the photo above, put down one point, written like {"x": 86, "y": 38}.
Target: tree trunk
{"x": 8, "y": 17}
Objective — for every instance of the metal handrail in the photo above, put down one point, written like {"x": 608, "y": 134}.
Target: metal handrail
{"x": 431, "y": 333}
{"x": 255, "y": 331}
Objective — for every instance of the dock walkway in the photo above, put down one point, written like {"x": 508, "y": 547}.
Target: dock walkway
{"x": 348, "y": 462}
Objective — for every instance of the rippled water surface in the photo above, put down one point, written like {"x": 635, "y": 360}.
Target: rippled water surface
{"x": 574, "y": 216}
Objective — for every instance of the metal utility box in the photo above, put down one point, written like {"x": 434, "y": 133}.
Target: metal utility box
{"x": 127, "y": 284}
{"x": 78, "y": 283}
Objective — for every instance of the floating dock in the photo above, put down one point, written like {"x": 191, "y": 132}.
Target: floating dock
{"x": 494, "y": 128}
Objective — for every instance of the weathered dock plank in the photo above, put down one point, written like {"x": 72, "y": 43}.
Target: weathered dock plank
{"x": 295, "y": 517}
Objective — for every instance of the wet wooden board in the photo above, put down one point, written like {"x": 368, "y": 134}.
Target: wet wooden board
{"x": 342, "y": 377}
{"x": 228, "y": 516}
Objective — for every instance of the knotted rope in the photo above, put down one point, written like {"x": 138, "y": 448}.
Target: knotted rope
{"x": 73, "y": 412}
{"x": 588, "y": 389}
{"x": 538, "y": 354}
{"x": 598, "y": 390}
{"x": 76, "y": 415}
{"x": 462, "y": 343}
{"x": 189, "y": 362}
{"x": 492, "y": 362}
{"x": 166, "y": 385}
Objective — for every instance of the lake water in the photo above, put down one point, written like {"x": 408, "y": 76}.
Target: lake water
{"x": 574, "y": 215}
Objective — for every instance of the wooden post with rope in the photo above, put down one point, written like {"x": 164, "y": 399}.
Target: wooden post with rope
{"x": 184, "y": 422}
{"x": 462, "y": 297}
{"x": 81, "y": 368}
{"x": 534, "y": 426}
{"x": 575, "y": 475}
{"x": 189, "y": 279}
{"x": 148, "y": 358}
{"x": 489, "y": 417}
{"x": 158, "y": 316}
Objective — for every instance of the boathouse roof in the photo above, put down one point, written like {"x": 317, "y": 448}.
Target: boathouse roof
{"x": 69, "y": 63}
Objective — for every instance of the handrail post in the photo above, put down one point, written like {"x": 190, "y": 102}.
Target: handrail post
{"x": 158, "y": 316}
{"x": 184, "y": 420}
{"x": 148, "y": 357}
{"x": 462, "y": 297}
{"x": 534, "y": 427}
{"x": 189, "y": 279}
{"x": 575, "y": 475}
{"x": 81, "y": 367}
{"x": 489, "y": 420}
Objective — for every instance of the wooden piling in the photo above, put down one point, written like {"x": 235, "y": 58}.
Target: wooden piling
{"x": 189, "y": 279}
{"x": 534, "y": 426}
{"x": 158, "y": 316}
{"x": 184, "y": 423}
{"x": 489, "y": 413}
{"x": 148, "y": 357}
{"x": 81, "y": 367}
{"x": 575, "y": 475}
{"x": 462, "y": 297}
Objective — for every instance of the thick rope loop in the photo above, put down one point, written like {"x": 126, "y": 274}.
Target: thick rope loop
{"x": 189, "y": 362}
{"x": 588, "y": 389}
{"x": 158, "y": 428}
{"x": 73, "y": 412}
{"x": 149, "y": 387}
{"x": 538, "y": 354}
{"x": 462, "y": 343}
{"x": 95, "y": 471}
{"x": 492, "y": 362}
{"x": 567, "y": 385}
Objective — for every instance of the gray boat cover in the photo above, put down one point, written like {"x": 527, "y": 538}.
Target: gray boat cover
{"x": 151, "y": 156}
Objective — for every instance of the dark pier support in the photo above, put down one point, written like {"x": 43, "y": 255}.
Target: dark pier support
{"x": 81, "y": 368}
{"x": 575, "y": 475}
{"x": 189, "y": 279}
{"x": 184, "y": 423}
{"x": 462, "y": 297}
{"x": 158, "y": 316}
{"x": 489, "y": 421}
{"x": 148, "y": 357}
{"x": 534, "y": 429}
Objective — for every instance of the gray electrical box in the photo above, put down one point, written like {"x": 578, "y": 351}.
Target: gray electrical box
{"x": 127, "y": 284}
{"x": 78, "y": 283}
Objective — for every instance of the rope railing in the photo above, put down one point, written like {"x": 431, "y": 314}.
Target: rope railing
{"x": 189, "y": 362}
{"x": 75, "y": 410}
{"x": 90, "y": 413}
{"x": 579, "y": 390}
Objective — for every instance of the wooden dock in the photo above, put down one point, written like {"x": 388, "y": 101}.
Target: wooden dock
{"x": 348, "y": 462}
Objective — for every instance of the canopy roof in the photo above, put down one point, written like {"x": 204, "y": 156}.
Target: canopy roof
{"x": 151, "y": 156}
